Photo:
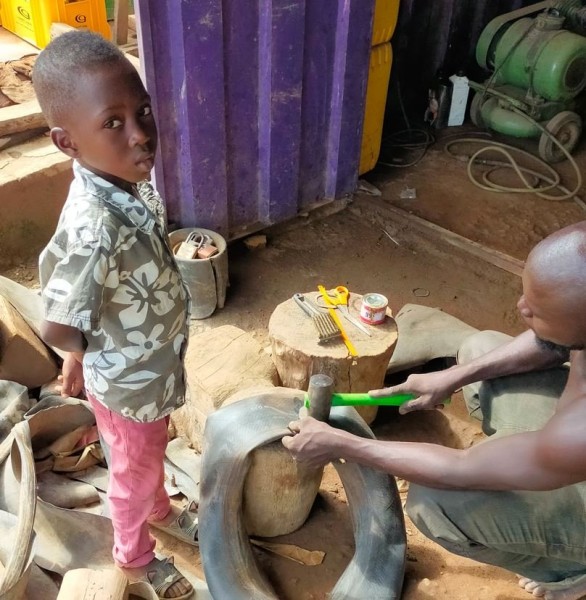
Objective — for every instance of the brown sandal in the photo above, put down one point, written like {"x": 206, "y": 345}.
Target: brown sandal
{"x": 184, "y": 527}
{"x": 162, "y": 576}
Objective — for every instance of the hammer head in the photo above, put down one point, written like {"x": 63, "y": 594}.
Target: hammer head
{"x": 319, "y": 395}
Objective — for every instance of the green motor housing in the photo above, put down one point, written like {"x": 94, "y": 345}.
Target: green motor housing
{"x": 538, "y": 55}
{"x": 539, "y": 69}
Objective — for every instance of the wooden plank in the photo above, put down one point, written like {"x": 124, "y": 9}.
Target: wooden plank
{"x": 121, "y": 11}
{"x": 489, "y": 255}
{"x": 21, "y": 117}
{"x": 106, "y": 584}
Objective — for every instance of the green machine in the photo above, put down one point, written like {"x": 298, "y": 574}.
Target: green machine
{"x": 537, "y": 56}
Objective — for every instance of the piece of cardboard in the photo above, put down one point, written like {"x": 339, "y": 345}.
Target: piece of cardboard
{"x": 24, "y": 358}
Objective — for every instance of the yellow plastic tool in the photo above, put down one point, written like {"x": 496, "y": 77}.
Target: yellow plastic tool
{"x": 338, "y": 298}
{"x": 331, "y": 309}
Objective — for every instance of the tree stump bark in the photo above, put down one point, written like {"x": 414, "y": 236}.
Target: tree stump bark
{"x": 297, "y": 354}
{"x": 278, "y": 493}
{"x": 225, "y": 365}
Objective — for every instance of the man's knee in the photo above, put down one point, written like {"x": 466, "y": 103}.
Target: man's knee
{"x": 429, "y": 509}
{"x": 481, "y": 343}
{"x": 437, "y": 513}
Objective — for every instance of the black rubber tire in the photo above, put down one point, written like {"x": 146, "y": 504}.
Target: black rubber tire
{"x": 231, "y": 434}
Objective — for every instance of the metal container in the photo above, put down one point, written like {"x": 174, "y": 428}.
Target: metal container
{"x": 373, "y": 308}
{"x": 206, "y": 278}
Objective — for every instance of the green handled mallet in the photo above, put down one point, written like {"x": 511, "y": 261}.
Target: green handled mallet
{"x": 350, "y": 399}
{"x": 320, "y": 398}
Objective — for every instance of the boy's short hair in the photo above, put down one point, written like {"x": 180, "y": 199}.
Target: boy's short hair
{"x": 58, "y": 67}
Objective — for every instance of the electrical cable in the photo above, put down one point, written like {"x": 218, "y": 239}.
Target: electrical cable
{"x": 403, "y": 139}
{"x": 551, "y": 180}
{"x": 397, "y": 140}
{"x": 549, "y": 183}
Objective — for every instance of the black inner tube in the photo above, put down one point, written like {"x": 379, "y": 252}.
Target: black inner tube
{"x": 377, "y": 568}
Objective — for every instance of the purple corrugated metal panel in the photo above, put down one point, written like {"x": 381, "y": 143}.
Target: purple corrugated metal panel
{"x": 259, "y": 104}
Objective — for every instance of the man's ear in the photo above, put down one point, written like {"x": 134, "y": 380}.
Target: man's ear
{"x": 63, "y": 141}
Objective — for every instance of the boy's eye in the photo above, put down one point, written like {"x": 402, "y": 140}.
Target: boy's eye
{"x": 113, "y": 124}
{"x": 146, "y": 111}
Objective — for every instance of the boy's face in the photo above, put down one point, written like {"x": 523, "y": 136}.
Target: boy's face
{"x": 111, "y": 129}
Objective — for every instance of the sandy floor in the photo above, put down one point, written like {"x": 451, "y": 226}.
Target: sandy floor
{"x": 350, "y": 248}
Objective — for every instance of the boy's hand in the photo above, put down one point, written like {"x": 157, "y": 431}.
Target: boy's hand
{"x": 72, "y": 377}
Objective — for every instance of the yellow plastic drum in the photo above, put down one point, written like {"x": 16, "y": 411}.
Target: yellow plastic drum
{"x": 31, "y": 19}
{"x": 386, "y": 13}
{"x": 381, "y": 59}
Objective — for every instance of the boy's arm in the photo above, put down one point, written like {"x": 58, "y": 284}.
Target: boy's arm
{"x": 71, "y": 378}
{"x": 64, "y": 337}
{"x": 72, "y": 341}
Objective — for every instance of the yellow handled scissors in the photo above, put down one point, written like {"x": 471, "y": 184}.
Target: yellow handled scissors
{"x": 338, "y": 298}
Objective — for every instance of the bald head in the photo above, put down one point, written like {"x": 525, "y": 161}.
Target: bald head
{"x": 558, "y": 264}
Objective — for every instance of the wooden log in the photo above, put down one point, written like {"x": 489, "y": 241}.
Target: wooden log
{"x": 89, "y": 584}
{"x": 278, "y": 493}
{"x": 298, "y": 356}
{"x": 220, "y": 363}
{"x": 21, "y": 117}
{"x": 225, "y": 365}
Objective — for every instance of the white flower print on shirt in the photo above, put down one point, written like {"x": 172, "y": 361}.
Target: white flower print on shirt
{"x": 144, "y": 346}
{"x": 134, "y": 292}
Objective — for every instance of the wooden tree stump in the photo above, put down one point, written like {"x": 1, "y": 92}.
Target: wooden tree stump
{"x": 297, "y": 354}
{"x": 278, "y": 493}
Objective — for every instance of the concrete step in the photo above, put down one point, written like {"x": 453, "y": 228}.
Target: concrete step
{"x": 34, "y": 180}
{"x": 34, "y": 176}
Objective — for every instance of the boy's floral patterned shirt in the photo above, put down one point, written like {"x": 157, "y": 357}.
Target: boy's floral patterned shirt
{"x": 108, "y": 271}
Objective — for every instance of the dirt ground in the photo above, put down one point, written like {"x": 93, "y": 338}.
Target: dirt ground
{"x": 350, "y": 248}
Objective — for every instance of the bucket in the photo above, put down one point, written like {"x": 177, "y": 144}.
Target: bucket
{"x": 206, "y": 278}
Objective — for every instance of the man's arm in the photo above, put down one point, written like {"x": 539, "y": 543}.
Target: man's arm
{"x": 522, "y": 354}
{"x": 540, "y": 460}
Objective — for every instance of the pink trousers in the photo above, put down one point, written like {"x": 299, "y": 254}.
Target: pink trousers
{"x": 136, "y": 491}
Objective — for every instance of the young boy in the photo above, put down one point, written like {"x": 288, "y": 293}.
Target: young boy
{"x": 114, "y": 299}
